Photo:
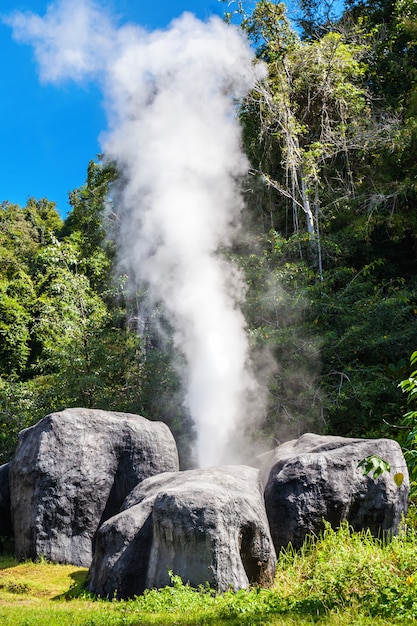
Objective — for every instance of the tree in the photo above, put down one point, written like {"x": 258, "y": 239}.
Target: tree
{"x": 86, "y": 223}
{"x": 64, "y": 337}
{"x": 22, "y": 233}
{"x": 332, "y": 192}
{"x": 303, "y": 124}
{"x": 14, "y": 332}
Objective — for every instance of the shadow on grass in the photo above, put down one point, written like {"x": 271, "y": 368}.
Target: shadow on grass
{"x": 78, "y": 586}
{"x": 7, "y": 560}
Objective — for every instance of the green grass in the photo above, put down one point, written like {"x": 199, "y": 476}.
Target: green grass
{"x": 339, "y": 579}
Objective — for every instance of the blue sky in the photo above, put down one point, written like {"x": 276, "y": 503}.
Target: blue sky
{"x": 48, "y": 134}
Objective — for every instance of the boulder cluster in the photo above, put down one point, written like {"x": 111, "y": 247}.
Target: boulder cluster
{"x": 103, "y": 490}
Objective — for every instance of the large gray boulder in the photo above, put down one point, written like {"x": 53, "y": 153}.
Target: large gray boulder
{"x": 316, "y": 477}
{"x": 72, "y": 471}
{"x": 207, "y": 526}
{"x": 6, "y": 530}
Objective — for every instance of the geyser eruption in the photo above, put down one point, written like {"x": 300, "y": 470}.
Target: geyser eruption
{"x": 170, "y": 98}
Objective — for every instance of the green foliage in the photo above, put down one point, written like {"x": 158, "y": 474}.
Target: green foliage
{"x": 375, "y": 465}
{"x": 64, "y": 337}
{"x": 337, "y": 579}
{"x": 366, "y": 321}
{"x": 409, "y": 422}
{"x": 43, "y": 216}
{"x": 88, "y": 220}
{"x": 334, "y": 176}
{"x": 18, "y": 240}
{"x": 342, "y": 568}
{"x": 67, "y": 308}
{"x": 89, "y": 204}
{"x": 304, "y": 121}
{"x": 19, "y": 408}
{"x": 14, "y": 332}
{"x": 378, "y": 466}
{"x": 284, "y": 351}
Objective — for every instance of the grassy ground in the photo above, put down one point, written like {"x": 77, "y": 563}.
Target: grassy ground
{"x": 340, "y": 579}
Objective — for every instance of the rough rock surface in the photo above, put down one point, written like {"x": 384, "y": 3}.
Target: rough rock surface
{"x": 6, "y": 529}
{"x": 72, "y": 471}
{"x": 316, "y": 477}
{"x": 203, "y": 525}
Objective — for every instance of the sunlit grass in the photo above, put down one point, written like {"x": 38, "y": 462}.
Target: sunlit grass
{"x": 37, "y": 581}
{"x": 340, "y": 579}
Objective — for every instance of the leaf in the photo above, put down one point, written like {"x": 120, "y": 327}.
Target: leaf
{"x": 374, "y": 463}
{"x": 399, "y": 479}
{"x": 413, "y": 358}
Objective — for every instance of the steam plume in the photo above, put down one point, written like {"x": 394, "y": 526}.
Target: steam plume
{"x": 172, "y": 131}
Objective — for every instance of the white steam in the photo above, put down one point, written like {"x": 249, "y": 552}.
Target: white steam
{"x": 174, "y": 135}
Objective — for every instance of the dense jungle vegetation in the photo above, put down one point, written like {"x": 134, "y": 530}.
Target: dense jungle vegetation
{"x": 331, "y": 197}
